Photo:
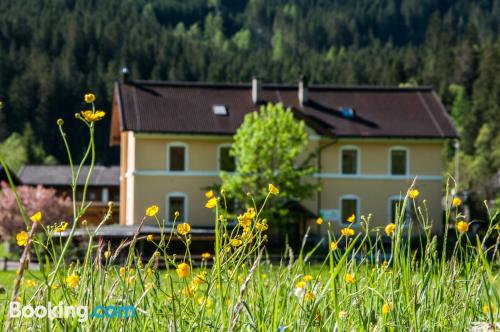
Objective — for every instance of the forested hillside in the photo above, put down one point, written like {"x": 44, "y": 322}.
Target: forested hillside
{"x": 52, "y": 52}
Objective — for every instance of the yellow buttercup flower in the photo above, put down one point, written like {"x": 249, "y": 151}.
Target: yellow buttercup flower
{"x": 456, "y": 201}
{"x": 183, "y": 270}
{"x": 273, "y": 190}
{"x": 107, "y": 254}
{"x": 347, "y": 231}
{"x": 37, "y": 217}
{"x": 247, "y": 235}
{"x": 72, "y": 280}
{"x": 301, "y": 284}
{"x": 122, "y": 271}
{"x": 22, "y": 239}
{"x": 149, "y": 237}
{"x": 334, "y": 246}
{"x": 200, "y": 278}
{"x": 205, "y": 301}
{"x": 149, "y": 272}
{"x": 414, "y": 193}
{"x": 30, "y": 283}
{"x": 307, "y": 278}
{"x": 250, "y": 214}
{"x": 92, "y": 116}
{"x": 130, "y": 279}
{"x": 189, "y": 290}
{"x": 390, "y": 229}
{"x": 235, "y": 242}
{"x": 183, "y": 228}
{"x": 152, "y": 210}
{"x": 487, "y": 309}
{"x": 209, "y": 194}
{"x": 205, "y": 255}
{"x": 462, "y": 226}
{"x": 244, "y": 221}
{"x": 309, "y": 296}
{"x": 62, "y": 227}
{"x": 387, "y": 308}
{"x": 89, "y": 98}
{"x": 352, "y": 218}
{"x": 212, "y": 202}
{"x": 319, "y": 221}
{"x": 349, "y": 278}
{"x": 262, "y": 226}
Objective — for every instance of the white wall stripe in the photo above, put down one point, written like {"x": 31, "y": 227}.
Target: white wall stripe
{"x": 317, "y": 175}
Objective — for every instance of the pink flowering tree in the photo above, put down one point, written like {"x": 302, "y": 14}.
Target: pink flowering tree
{"x": 54, "y": 208}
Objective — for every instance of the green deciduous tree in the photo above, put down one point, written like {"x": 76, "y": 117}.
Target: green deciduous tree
{"x": 270, "y": 147}
{"x": 14, "y": 151}
{"x": 19, "y": 149}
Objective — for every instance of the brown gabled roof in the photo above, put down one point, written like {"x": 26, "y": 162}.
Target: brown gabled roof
{"x": 186, "y": 108}
{"x": 60, "y": 175}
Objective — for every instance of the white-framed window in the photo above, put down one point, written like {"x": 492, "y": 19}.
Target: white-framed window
{"x": 225, "y": 162}
{"x": 176, "y": 202}
{"x": 399, "y": 161}
{"x": 394, "y": 209}
{"x": 348, "y": 205}
{"x": 349, "y": 160}
{"x": 92, "y": 196}
{"x": 105, "y": 195}
{"x": 177, "y": 157}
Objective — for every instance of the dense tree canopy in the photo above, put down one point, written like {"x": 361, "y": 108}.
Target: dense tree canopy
{"x": 52, "y": 52}
{"x": 266, "y": 149}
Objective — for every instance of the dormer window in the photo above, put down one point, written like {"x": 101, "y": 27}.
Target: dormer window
{"x": 219, "y": 110}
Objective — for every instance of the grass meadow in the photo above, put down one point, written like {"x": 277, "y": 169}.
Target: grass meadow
{"x": 430, "y": 285}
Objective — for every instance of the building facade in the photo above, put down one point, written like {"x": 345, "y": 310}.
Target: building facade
{"x": 103, "y": 186}
{"x": 371, "y": 143}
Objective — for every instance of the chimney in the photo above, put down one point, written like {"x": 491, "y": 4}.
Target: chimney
{"x": 256, "y": 90}
{"x": 303, "y": 91}
{"x": 125, "y": 75}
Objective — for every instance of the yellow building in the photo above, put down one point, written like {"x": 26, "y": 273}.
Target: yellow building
{"x": 371, "y": 141}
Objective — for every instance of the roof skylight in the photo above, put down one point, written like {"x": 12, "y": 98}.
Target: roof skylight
{"x": 347, "y": 112}
{"x": 219, "y": 110}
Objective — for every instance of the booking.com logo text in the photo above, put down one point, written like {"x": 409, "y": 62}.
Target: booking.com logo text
{"x": 17, "y": 310}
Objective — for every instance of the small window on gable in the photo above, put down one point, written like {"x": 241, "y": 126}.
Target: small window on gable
{"x": 219, "y": 110}
{"x": 226, "y": 161}
{"x": 349, "y": 161}
{"x": 176, "y": 203}
{"x": 177, "y": 158}
{"x": 399, "y": 162}
{"x": 348, "y": 207}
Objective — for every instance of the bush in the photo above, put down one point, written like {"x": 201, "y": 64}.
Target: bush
{"x": 55, "y": 208}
